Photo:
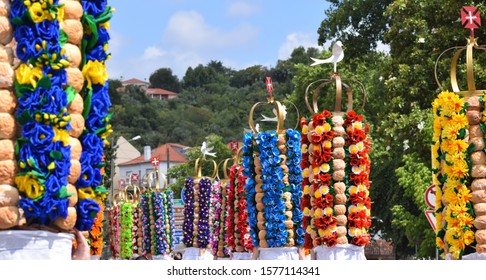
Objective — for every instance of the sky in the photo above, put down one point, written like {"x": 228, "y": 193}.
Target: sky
{"x": 147, "y": 35}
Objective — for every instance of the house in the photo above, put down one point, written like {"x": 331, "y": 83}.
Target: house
{"x": 155, "y": 93}
{"x": 161, "y": 94}
{"x": 124, "y": 152}
{"x": 164, "y": 157}
{"x": 136, "y": 82}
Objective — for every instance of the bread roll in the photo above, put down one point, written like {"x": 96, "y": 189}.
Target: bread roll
{"x": 9, "y": 195}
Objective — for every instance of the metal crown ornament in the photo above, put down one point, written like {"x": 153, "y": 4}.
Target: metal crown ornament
{"x": 470, "y": 19}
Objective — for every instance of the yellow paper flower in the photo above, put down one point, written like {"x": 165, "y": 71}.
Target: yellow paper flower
{"x": 325, "y": 167}
{"x": 95, "y": 73}
{"x": 319, "y": 129}
{"x": 30, "y": 186}
{"x": 85, "y": 193}
{"x": 37, "y": 13}
{"x": 327, "y": 144}
{"x": 26, "y": 75}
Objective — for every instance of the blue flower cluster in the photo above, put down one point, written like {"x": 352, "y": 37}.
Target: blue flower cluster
{"x": 160, "y": 237}
{"x": 204, "y": 231}
{"x": 294, "y": 157}
{"x": 273, "y": 186}
{"x": 44, "y": 156}
{"x": 249, "y": 171}
{"x": 96, "y": 106}
{"x": 188, "y": 224}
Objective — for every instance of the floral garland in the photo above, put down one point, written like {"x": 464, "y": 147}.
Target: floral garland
{"x": 159, "y": 237}
{"x": 43, "y": 150}
{"x": 249, "y": 171}
{"x": 169, "y": 220}
{"x": 145, "y": 201}
{"x": 359, "y": 209}
{"x": 96, "y": 233}
{"x": 450, "y": 163}
{"x": 203, "y": 222}
{"x": 222, "y": 248}
{"x": 216, "y": 212}
{"x": 96, "y": 106}
{"x": 230, "y": 206}
{"x": 242, "y": 226}
{"x": 126, "y": 223}
{"x": 188, "y": 224}
{"x": 318, "y": 193}
{"x": 114, "y": 230}
{"x": 294, "y": 157}
{"x": 135, "y": 229}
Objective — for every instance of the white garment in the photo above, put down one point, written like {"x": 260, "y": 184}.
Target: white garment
{"x": 340, "y": 252}
{"x": 242, "y": 256}
{"x": 196, "y": 254}
{"x": 94, "y": 257}
{"x": 280, "y": 253}
{"x": 35, "y": 245}
{"x": 162, "y": 257}
{"x": 474, "y": 256}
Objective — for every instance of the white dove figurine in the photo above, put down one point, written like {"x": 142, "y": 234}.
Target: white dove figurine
{"x": 275, "y": 119}
{"x": 257, "y": 128}
{"x": 337, "y": 55}
{"x": 206, "y": 150}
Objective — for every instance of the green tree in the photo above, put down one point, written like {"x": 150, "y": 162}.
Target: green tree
{"x": 163, "y": 78}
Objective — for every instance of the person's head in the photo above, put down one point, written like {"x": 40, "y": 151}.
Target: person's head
{"x": 142, "y": 257}
{"x": 178, "y": 256}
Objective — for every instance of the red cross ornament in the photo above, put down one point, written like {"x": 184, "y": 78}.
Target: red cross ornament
{"x": 471, "y": 18}
{"x": 155, "y": 161}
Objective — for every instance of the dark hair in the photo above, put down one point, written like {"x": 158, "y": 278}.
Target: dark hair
{"x": 141, "y": 258}
{"x": 178, "y": 256}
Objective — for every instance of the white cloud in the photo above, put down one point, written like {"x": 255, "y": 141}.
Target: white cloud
{"x": 188, "y": 29}
{"x": 241, "y": 9}
{"x": 152, "y": 52}
{"x": 295, "y": 40}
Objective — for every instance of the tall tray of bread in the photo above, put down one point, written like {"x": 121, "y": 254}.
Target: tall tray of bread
{"x": 335, "y": 168}
{"x": 54, "y": 124}
{"x": 271, "y": 161}
{"x": 198, "y": 222}
{"x": 238, "y": 238}
{"x": 458, "y": 155}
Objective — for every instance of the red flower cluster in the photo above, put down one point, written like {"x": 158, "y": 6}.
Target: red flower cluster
{"x": 230, "y": 219}
{"x": 244, "y": 238}
{"x": 330, "y": 240}
{"x": 323, "y": 201}
{"x": 360, "y": 161}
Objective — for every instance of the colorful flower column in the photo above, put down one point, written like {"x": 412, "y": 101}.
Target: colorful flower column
{"x": 44, "y": 152}
{"x": 157, "y": 223}
{"x": 335, "y": 186}
{"x": 271, "y": 160}
{"x": 91, "y": 80}
{"x": 198, "y": 219}
{"x": 238, "y": 235}
{"x": 10, "y": 213}
{"x": 456, "y": 160}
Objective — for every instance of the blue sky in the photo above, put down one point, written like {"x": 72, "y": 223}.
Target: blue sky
{"x": 150, "y": 34}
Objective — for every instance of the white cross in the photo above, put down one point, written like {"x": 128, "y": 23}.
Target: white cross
{"x": 470, "y": 17}
{"x": 155, "y": 161}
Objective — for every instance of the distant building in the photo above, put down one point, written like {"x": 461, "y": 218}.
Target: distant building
{"x": 136, "y": 82}
{"x": 155, "y": 93}
{"x": 168, "y": 156}
{"x": 124, "y": 152}
{"x": 379, "y": 249}
{"x": 161, "y": 94}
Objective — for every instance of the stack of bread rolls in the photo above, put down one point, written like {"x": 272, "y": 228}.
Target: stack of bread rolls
{"x": 10, "y": 214}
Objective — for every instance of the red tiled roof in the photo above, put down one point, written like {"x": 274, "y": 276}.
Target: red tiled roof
{"x": 134, "y": 81}
{"x": 161, "y": 153}
{"x": 159, "y": 91}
